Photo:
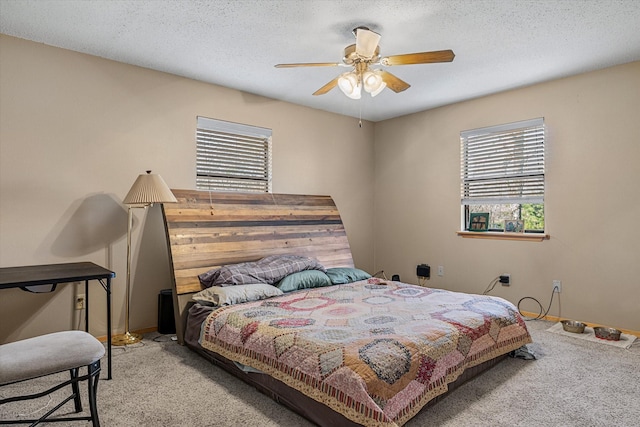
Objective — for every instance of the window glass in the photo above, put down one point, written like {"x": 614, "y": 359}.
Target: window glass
{"x": 502, "y": 173}
{"x": 232, "y": 156}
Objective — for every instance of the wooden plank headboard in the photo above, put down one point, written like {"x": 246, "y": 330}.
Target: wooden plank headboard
{"x": 206, "y": 230}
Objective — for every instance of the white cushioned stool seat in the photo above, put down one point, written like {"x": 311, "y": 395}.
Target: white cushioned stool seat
{"x": 47, "y": 354}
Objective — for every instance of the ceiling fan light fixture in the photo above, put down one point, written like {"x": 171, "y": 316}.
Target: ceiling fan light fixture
{"x": 373, "y": 82}
{"x": 348, "y": 84}
{"x": 362, "y": 55}
{"x": 380, "y": 89}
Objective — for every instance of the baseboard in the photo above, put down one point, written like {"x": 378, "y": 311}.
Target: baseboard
{"x": 591, "y": 325}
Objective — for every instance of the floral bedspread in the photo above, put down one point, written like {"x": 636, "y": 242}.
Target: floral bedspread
{"x": 375, "y": 351}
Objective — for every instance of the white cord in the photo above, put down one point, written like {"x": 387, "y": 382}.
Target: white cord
{"x": 492, "y": 285}
{"x": 80, "y": 316}
{"x": 384, "y": 276}
{"x": 37, "y": 410}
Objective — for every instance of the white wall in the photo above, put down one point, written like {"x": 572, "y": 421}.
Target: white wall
{"x": 591, "y": 205}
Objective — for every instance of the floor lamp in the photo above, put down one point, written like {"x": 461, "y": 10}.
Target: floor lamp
{"x": 148, "y": 189}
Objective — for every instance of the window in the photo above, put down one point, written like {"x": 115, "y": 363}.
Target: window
{"x": 232, "y": 156}
{"x": 502, "y": 169}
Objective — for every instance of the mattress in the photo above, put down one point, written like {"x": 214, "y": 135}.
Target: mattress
{"x": 371, "y": 352}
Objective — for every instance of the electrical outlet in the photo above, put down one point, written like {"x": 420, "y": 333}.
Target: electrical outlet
{"x": 441, "y": 270}
{"x": 505, "y": 279}
{"x": 556, "y": 286}
{"x": 80, "y": 301}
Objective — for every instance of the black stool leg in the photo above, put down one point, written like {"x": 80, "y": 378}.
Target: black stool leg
{"x": 76, "y": 389}
{"x": 93, "y": 372}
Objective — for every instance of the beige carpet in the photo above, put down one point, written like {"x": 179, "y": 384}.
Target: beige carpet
{"x": 574, "y": 383}
{"x": 625, "y": 340}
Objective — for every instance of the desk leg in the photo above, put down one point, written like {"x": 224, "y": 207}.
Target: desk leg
{"x": 86, "y": 306}
{"x": 108, "y": 327}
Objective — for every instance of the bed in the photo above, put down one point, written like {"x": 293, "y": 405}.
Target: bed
{"x": 357, "y": 350}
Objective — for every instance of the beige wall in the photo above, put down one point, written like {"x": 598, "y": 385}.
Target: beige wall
{"x": 592, "y": 204}
{"x": 75, "y": 132}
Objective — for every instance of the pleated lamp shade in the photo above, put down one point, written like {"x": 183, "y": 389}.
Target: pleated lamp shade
{"x": 149, "y": 188}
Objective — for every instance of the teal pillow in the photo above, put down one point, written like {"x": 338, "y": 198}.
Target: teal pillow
{"x": 304, "y": 280}
{"x": 341, "y": 275}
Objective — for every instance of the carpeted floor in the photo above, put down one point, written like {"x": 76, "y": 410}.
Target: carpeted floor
{"x": 573, "y": 383}
{"x": 625, "y": 340}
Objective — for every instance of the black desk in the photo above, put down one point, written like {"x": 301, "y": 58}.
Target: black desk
{"x": 18, "y": 277}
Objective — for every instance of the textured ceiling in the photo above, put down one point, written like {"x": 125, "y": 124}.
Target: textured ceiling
{"x": 499, "y": 44}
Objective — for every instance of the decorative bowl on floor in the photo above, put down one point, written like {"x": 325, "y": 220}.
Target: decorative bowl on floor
{"x": 611, "y": 334}
{"x": 573, "y": 326}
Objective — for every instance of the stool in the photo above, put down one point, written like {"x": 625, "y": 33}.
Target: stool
{"x": 49, "y": 354}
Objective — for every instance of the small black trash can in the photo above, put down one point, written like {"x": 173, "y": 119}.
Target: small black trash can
{"x": 166, "y": 321}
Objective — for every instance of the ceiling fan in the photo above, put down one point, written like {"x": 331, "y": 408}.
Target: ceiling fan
{"x": 364, "y": 54}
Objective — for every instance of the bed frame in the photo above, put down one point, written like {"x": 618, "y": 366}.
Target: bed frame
{"x": 206, "y": 230}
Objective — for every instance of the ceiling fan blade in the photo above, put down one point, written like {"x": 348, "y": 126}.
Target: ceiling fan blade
{"x": 393, "y": 82}
{"x": 309, "y": 64}
{"x": 366, "y": 42}
{"x": 326, "y": 88}
{"x": 419, "y": 58}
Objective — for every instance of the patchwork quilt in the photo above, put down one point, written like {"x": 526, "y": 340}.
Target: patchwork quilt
{"x": 375, "y": 351}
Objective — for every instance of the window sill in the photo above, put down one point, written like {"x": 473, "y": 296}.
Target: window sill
{"x": 526, "y": 237}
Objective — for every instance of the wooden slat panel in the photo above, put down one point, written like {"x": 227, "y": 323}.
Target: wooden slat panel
{"x": 206, "y": 230}
{"x": 202, "y": 236}
{"x": 254, "y": 245}
{"x": 221, "y": 208}
{"x": 334, "y": 258}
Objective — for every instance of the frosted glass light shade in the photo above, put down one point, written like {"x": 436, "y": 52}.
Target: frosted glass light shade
{"x": 148, "y": 189}
{"x": 373, "y": 82}
{"x": 348, "y": 84}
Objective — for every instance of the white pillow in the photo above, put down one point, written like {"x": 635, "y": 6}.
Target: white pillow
{"x": 228, "y": 295}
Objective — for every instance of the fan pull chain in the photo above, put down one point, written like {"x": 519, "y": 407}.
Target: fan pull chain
{"x": 360, "y": 121}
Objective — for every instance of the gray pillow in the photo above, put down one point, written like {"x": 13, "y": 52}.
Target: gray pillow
{"x": 269, "y": 270}
{"x": 304, "y": 280}
{"x": 218, "y": 296}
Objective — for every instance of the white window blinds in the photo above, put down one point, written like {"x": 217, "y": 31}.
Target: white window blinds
{"x": 232, "y": 156}
{"x": 503, "y": 164}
